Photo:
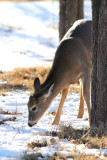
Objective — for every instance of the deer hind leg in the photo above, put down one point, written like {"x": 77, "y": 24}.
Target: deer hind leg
{"x": 58, "y": 114}
{"x": 81, "y": 105}
{"x": 86, "y": 93}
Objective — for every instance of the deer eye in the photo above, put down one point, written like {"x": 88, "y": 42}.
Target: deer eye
{"x": 34, "y": 108}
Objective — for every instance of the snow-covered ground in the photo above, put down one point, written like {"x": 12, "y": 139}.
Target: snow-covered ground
{"x": 15, "y": 134}
{"x": 29, "y": 33}
{"x": 29, "y": 37}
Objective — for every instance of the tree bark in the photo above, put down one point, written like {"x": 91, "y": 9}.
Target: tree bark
{"x": 70, "y": 11}
{"x": 99, "y": 67}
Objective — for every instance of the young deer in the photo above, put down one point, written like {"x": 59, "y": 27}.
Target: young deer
{"x": 72, "y": 63}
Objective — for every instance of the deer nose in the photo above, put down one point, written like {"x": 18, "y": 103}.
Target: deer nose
{"x": 30, "y": 125}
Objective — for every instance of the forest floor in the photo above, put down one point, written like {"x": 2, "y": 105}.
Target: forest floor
{"x": 29, "y": 38}
{"x": 22, "y": 79}
{"x": 59, "y": 142}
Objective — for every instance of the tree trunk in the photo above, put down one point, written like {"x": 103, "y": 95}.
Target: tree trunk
{"x": 70, "y": 11}
{"x": 99, "y": 67}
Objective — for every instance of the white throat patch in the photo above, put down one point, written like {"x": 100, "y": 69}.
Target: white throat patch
{"x": 50, "y": 91}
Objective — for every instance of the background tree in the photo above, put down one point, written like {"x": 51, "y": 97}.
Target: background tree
{"x": 70, "y": 11}
{"x": 99, "y": 66}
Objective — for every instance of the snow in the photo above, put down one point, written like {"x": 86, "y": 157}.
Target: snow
{"x": 15, "y": 135}
{"x": 29, "y": 33}
{"x": 29, "y": 37}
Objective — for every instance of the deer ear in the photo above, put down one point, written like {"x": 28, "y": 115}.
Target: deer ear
{"x": 36, "y": 84}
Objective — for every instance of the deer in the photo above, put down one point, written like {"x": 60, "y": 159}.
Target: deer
{"x": 71, "y": 64}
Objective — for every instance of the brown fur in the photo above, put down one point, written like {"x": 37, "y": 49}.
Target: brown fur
{"x": 72, "y": 63}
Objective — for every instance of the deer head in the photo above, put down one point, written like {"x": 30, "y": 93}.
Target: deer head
{"x": 39, "y": 101}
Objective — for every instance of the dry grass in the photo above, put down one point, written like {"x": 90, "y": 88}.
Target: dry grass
{"x": 33, "y": 156}
{"x": 75, "y": 157}
{"x": 7, "y": 119}
{"x": 8, "y": 113}
{"x": 23, "y": 78}
{"x": 81, "y": 136}
{"x": 75, "y": 136}
{"x": 96, "y": 142}
{"x": 57, "y": 155}
{"x": 70, "y": 133}
{"x": 37, "y": 144}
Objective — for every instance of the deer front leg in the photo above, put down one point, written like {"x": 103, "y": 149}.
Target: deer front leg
{"x": 58, "y": 114}
{"x": 81, "y": 106}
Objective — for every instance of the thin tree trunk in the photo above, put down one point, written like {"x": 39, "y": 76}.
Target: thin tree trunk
{"x": 70, "y": 11}
{"x": 80, "y": 9}
{"x": 99, "y": 66}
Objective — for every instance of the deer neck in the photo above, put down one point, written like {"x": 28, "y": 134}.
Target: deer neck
{"x": 56, "y": 83}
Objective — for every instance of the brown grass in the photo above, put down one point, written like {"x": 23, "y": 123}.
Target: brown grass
{"x": 23, "y": 78}
{"x": 34, "y": 156}
{"x": 75, "y": 136}
{"x": 8, "y": 113}
{"x": 80, "y": 136}
{"x": 96, "y": 142}
{"x": 7, "y": 119}
{"x": 74, "y": 156}
{"x": 37, "y": 144}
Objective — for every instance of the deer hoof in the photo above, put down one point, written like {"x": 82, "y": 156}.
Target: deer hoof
{"x": 80, "y": 116}
{"x": 55, "y": 123}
